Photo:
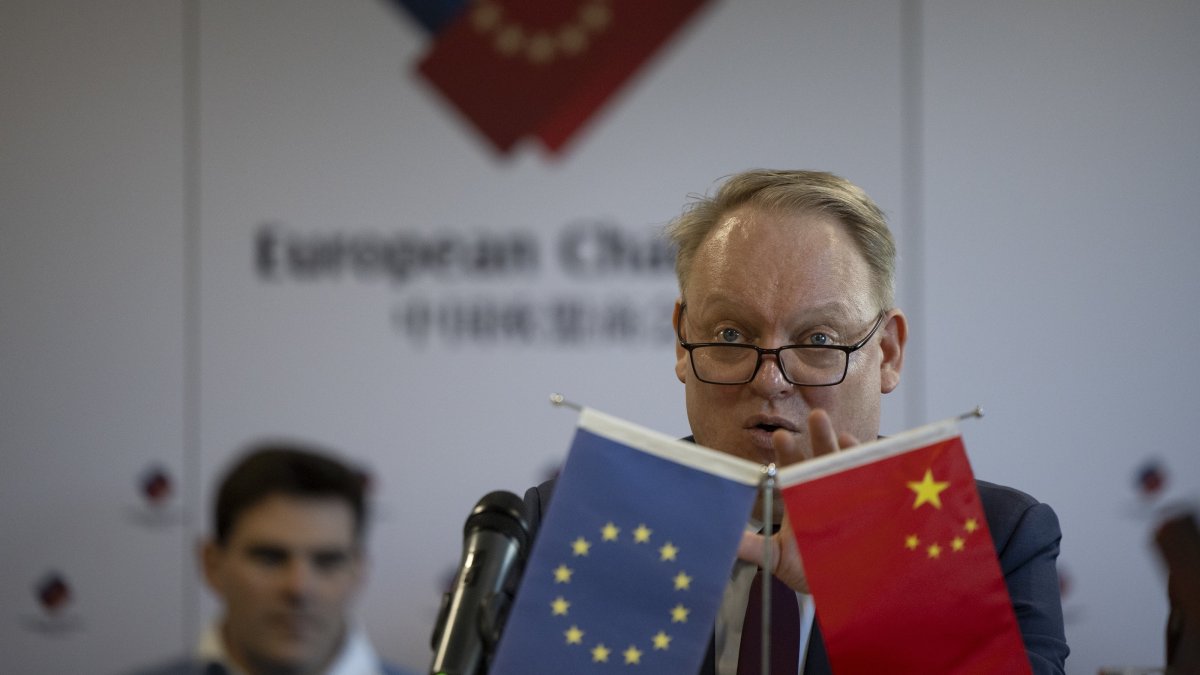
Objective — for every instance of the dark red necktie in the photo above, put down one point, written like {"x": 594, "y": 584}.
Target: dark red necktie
{"x": 785, "y": 630}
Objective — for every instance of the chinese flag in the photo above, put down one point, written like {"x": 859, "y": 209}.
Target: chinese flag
{"x": 898, "y": 556}
{"x": 543, "y": 67}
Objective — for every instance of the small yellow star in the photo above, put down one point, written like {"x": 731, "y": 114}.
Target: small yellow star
{"x": 580, "y": 546}
{"x": 911, "y": 542}
{"x": 668, "y": 551}
{"x": 928, "y": 490}
{"x": 934, "y": 551}
{"x": 642, "y": 534}
{"x": 609, "y": 532}
{"x": 633, "y": 655}
{"x": 679, "y": 614}
{"x": 682, "y": 581}
{"x": 574, "y": 635}
{"x": 661, "y": 640}
{"x": 559, "y": 606}
{"x": 562, "y": 574}
{"x": 957, "y": 543}
{"x": 600, "y": 653}
{"x": 971, "y": 525}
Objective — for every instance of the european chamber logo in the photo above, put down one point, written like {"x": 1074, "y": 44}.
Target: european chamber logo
{"x": 539, "y": 68}
{"x": 158, "y": 503}
{"x": 469, "y": 287}
{"x": 54, "y": 597}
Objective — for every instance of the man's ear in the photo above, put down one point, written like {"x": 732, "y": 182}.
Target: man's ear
{"x": 895, "y": 335}
{"x": 211, "y": 557}
{"x": 681, "y": 355}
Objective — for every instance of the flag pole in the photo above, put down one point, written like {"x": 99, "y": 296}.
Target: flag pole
{"x": 769, "y": 473}
{"x": 560, "y": 401}
{"x": 976, "y": 413}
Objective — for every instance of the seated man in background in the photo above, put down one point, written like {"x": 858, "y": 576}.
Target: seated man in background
{"x": 285, "y": 561}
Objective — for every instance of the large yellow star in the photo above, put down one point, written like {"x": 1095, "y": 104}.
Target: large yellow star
{"x": 609, "y": 532}
{"x": 668, "y": 551}
{"x": 679, "y": 614}
{"x": 559, "y": 606}
{"x": 661, "y": 640}
{"x": 642, "y": 534}
{"x": 562, "y": 574}
{"x": 633, "y": 655}
{"x": 600, "y": 653}
{"x": 928, "y": 490}
{"x": 574, "y": 635}
{"x": 580, "y": 546}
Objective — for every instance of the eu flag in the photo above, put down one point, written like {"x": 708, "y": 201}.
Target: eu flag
{"x": 628, "y": 570}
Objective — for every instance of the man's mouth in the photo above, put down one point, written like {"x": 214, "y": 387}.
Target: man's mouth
{"x": 770, "y": 424}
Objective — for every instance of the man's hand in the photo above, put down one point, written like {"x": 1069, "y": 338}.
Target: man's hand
{"x": 785, "y": 556}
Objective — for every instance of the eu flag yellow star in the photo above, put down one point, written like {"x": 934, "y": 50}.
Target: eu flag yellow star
{"x": 559, "y": 606}
{"x": 682, "y": 581}
{"x": 633, "y": 655}
{"x": 600, "y": 653}
{"x": 562, "y": 574}
{"x": 668, "y": 551}
{"x": 581, "y": 546}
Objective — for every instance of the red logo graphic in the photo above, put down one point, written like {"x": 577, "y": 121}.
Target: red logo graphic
{"x": 516, "y": 69}
{"x": 53, "y": 592}
{"x": 156, "y": 486}
{"x": 1151, "y": 479}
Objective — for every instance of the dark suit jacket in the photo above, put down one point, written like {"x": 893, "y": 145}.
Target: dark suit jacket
{"x": 1026, "y": 535}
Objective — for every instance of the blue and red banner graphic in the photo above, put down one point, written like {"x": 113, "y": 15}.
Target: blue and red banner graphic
{"x": 540, "y": 68}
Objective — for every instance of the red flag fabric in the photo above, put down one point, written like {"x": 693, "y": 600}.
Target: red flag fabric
{"x": 543, "y": 67}
{"x": 899, "y": 559}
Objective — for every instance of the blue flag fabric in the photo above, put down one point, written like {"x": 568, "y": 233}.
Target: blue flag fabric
{"x": 632, "y": 559}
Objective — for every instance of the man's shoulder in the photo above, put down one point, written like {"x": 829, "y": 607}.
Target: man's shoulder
{"x": 1002, "y": 498}
{"x": 1014, "y": 516}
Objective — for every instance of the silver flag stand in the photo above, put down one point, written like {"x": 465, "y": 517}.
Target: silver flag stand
{"x": 768, "y": 514}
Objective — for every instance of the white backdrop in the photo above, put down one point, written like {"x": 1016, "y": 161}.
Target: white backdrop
{"x": 160, "y": 162}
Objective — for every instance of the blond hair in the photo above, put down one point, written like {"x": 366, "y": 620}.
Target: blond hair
{"x": 791, "y": 191}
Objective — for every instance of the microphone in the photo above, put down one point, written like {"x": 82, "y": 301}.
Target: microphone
{"x": 495, "y": 543}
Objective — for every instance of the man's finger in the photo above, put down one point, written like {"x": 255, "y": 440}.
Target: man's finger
{"x": 820, "y": 430}
{"x": 750, "y": 549}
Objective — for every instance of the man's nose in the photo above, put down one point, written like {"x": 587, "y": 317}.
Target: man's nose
{"x": 298, "y": 577}
{"x": 769, "y": 380}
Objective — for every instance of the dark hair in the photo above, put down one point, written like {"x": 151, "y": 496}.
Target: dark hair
{"x": 290, "y": 470}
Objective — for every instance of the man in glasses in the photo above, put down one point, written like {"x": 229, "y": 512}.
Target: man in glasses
{"x": 787, "y": 339}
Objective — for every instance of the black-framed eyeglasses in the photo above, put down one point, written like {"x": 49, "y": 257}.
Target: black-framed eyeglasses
{"x": 802, "y": 365}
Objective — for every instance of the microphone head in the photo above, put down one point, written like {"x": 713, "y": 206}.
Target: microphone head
{"x": 502, "y": 512}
